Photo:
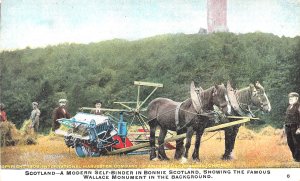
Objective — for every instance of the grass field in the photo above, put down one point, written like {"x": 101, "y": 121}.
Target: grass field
{"x": 260, "y": 150}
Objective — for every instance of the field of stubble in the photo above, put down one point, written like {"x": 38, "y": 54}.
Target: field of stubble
{"x": 265, "y": 149}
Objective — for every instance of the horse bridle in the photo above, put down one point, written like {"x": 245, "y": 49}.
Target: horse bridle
{"x": 248, "y": 109}
{"x": 227, "y": 101}
{"x": 261, "y": 104}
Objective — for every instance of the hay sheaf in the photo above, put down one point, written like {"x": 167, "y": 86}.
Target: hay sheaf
{"x": 28, "y": 135}
{"x": 268, "y": 131}
{"x": 11, "y": 136}
{"x": 280, "y": 134}
{"x": 246, "y": 134}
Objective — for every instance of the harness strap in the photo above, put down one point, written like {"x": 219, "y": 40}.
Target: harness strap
{"x": 245, "y": 111}
{"x": 177, "y": 115}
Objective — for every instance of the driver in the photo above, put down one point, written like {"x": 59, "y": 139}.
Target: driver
{"x": 97, "y": 109}
{"x": 292, "y": 125}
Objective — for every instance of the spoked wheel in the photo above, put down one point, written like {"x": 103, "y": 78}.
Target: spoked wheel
{"x": 82, "y": 150}
{"x": 139, "y": 119}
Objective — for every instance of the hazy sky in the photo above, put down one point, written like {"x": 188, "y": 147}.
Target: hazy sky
{"x": 38, "y": 23}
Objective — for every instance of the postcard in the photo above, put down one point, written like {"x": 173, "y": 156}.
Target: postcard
{"x": 150, "y": 89}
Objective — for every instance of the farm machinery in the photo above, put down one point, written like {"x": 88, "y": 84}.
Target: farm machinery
{"x": 96, "y": 135}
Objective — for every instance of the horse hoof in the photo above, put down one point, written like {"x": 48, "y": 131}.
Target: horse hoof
{"x": 196, "y": 160}
{"x": 163, "y": 158}
{"x": 177, "y": 158}
{"x": 184, "y": 160}
{"x": 227, "y": 157}
{"x": 154, "y": 159}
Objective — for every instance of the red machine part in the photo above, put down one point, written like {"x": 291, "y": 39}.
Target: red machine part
{"x": 121, "y": 143}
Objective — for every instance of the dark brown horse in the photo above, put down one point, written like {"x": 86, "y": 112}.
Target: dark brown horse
{"x": 242, "y": 101}
{"x": 185, "y": 117}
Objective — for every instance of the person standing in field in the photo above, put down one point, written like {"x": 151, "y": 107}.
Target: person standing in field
{"x": 3, "y": 116}
{"x": 60, "y": 112}
{"x": 35, "y": 117}
{"x": 292, "y": 125}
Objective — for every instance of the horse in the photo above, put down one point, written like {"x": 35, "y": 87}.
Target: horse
{"x": 254, "y": 95}
{"x": 184, "y": 117}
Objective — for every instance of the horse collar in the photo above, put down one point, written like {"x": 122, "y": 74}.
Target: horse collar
{"x": 177, "y": 115}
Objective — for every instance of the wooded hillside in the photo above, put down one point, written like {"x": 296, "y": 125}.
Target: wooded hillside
{"x": 106, "y": 70}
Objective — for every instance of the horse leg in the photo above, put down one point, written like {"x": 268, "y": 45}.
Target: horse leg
{"x": 161, "y": 147}
{"x": 230, "y": 136}
{"x": 189, "y": 135}
{"x": 179, "y": 147}
{"x": 152, "y": 125}
{"x": 195, "y": 155}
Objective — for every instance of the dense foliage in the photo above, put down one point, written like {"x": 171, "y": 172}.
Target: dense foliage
{"x": 106, "y": 70}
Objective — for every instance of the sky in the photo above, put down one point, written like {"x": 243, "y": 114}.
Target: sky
{"x": 39, "y": 23}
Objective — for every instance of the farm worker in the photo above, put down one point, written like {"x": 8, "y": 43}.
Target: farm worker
{"x": 60, "y": 112}
{"x": 2, "y": 113}
{"x": 292, "y": 125}
{"x": 97, "y": 109}
{"x": 35, "y": 116}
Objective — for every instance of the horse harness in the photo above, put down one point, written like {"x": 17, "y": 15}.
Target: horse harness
{"x": 177, "y": 109}
{"x": 246, "y": 111}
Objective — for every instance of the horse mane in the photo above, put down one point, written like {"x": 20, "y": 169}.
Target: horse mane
{"x": 206, "y": 98}
{"x": 243, "y": 95}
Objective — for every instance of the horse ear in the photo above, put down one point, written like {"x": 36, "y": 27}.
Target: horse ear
{"x": 201, "y": 89}
{"x": 259, "y": 86}
{"x": 215, "y": 90}
{"x": 196, "y": 97}
{"x": 229, "y": 87}
{"x": 253, "y": 89}
{"x": 256, "y": 84}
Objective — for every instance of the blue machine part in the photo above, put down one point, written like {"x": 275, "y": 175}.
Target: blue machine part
{"x": 92, "y": 123}
{"x": 81, "y": 151}
{"x": 92, "y": 130}
{"x": 122, "y": 126}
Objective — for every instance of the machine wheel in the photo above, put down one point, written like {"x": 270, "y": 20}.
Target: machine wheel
{"x": 82, "y": 151}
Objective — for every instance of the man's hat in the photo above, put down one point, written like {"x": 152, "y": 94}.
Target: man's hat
{"x": 293, "y": 94}
{"x": 35, "y": 103}
{"x": 62, "y": 100}
{"x": 97, "y": 101}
